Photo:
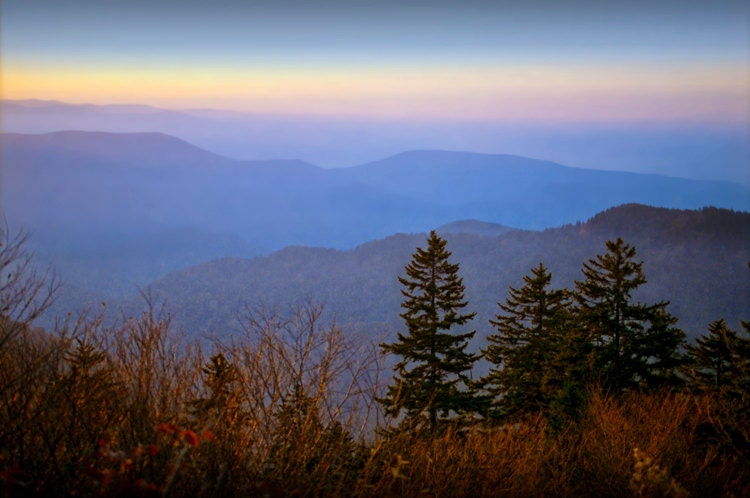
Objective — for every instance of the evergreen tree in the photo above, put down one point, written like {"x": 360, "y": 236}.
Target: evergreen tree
{"x": 569, "y": 369}
{"x": 720, "y": 360}
{"x": 431, "y": 383}
{"x": 297, "y": 431}
{"x": 529, "y": 337}
{"x": 221, "y": 379}
{"x": 302, "y": 445}
{"x": 222, "y": 411}
{"x": 90, "y": 394}
{"x": 720, "y": 366}
{"x": 660, "y": 350}
{"x": 634, "y": 344}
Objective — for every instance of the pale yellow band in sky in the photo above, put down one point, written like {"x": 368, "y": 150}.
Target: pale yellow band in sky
{"x": 564, "y": 93}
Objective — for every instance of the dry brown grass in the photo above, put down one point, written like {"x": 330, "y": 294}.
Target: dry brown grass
{"x": 135, "y": 411}
{"x": 595, "y": 457}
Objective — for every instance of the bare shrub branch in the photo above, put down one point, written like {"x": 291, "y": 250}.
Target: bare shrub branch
{"x": 25, "y": 292}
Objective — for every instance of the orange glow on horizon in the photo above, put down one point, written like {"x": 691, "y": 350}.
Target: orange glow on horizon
{"x": 552, "y": 93}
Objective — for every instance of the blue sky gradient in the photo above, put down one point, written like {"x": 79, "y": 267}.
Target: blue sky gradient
{"x": 631, "y": 64}
{"x": 344, "y": 32}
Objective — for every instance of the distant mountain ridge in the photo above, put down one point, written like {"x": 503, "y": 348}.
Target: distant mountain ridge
{"x": 85, "y": 190}
{"x": 47, "y": 104}
{"x": 535, "y": 193}
{"x": 692, "y": 150}
{"x": 142, "y": 148}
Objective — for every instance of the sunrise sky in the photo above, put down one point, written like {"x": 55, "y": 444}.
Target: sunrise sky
{"x": 528, "y": 61}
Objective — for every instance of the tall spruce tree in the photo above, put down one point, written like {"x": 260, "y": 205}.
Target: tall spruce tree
{"x": 431, "y": 381}
{"x": 634, "y": 344}
{"x": 530, "y": 334}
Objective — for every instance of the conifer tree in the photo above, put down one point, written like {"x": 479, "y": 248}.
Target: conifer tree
{"x": 302, "y": 444}
{"x": 221, "y": 379}
{"x": 720, "y": 360}
{"x": 634, "y": 344}
{"x": 431, "y": 381}
{"x": 298, "y": 428}
{"x": 529, "y": 336}
{"x": 569, "y": 371}
{"x": 660, "y": 350}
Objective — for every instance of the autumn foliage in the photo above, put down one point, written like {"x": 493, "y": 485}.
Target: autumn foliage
{"x": 288, "y": 409}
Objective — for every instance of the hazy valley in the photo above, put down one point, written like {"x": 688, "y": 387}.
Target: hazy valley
{"x": 115, "y": 213}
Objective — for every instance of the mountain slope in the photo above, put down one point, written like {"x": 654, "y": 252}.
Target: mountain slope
{"x": 176, "y": 183}
{"x": 530, "y": 193}
{"x": 87, "y": 192}
{"x": 142, "y": 149}
{"x": 696, "y": 259}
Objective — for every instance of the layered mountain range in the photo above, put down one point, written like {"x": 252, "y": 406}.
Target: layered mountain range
{"x": 138, "y": 182}
{"x": 701, "y": 150}
{"x": 117, "y": 211}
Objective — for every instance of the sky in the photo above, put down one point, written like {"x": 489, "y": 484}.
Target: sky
{"x": 535, "y": 61}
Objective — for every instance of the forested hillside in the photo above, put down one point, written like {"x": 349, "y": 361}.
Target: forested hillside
{"x": 696, "y": 259}
{"x": 588, "y": 393}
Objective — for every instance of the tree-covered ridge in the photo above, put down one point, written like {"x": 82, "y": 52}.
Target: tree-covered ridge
{"x": 696, "y": 259}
